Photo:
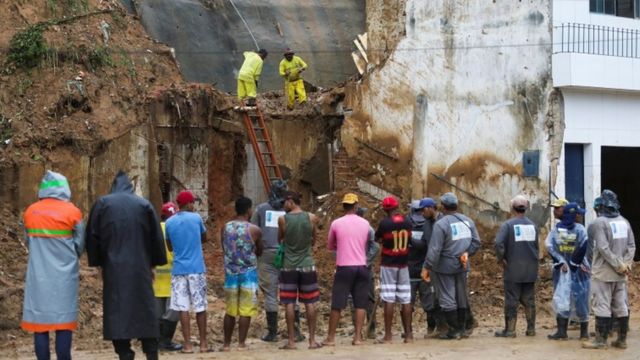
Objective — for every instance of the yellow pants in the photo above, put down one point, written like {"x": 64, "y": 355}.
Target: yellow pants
{"x": 293, "y": 88}
{"x": 246, "y": 89}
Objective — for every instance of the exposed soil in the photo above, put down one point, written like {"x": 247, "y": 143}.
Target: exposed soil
{"x": 78, "y": 99}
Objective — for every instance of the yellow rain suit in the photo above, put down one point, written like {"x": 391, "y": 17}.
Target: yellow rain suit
{"x": 293, "y": 83}
{"x": 249, "y": 74}
{"x": 162, "y": 281}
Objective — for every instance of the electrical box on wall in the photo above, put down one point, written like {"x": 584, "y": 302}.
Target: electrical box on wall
{"x": 531, "y": 163}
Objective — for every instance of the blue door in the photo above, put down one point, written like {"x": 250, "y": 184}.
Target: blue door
{"x": 574, "y": 173}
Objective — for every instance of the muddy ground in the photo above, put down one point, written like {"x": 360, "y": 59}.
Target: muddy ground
{"x": 86, "y": 93}
{"x": 485, "y": 287}
{"x": 481, "y": 345}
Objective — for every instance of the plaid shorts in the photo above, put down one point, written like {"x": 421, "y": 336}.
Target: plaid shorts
{"x": 189, "y": 292}
{"x": 299, "y": 285}
{"x": 240, "y": 293}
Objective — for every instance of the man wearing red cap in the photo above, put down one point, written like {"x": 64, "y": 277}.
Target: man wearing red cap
{"x": 185, "y": 234}
{"x": 290, "y": 69}
{"x": 394, "y": 232}
{"x": 162, "y": 290}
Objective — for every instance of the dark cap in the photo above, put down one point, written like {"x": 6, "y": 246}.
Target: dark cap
{"x": 449, "y": 199}
{"x": 572, "y": 208}
{"x": 427, "y": 203}
{"x": 610, "y": 200}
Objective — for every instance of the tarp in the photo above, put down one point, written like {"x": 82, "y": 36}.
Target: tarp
{"x": 209, "y": 41}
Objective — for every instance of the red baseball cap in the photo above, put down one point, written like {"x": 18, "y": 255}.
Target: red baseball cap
{"x": 169, "y": 209}
{"x": 185, "y": 197}
{"x": 390, "y": 203}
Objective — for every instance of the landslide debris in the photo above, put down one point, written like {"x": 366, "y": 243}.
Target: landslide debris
{"x": 74, "y": 74}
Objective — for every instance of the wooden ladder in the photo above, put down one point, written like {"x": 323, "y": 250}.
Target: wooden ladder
{"x": 262, "y": 146}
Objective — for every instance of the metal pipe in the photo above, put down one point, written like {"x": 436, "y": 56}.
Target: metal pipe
{"x": 494, "y": 205}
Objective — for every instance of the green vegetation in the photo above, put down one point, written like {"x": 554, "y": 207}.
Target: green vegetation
{"x": 119, "y": 20}
{"x": 67, "y": 7}
{"x": 127, "y": 62}
{"x": 99, "y": 57}
{"x": 23, "y": 86}
{"x": 5, "y": 129}
{"x": 27, "y": 48}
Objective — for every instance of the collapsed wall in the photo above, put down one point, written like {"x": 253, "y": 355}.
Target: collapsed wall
{"x": 464, "y": 93}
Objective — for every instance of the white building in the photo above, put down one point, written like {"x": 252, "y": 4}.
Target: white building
{"x": 596, "y": 66}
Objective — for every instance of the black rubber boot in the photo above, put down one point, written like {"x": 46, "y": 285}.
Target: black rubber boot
{"x": 465, "y": 325}
{"x": 584, "y": 331}
{"x": 152, "y": 355}
{"x": 530, "y": 313}
{"x": 561, "y": 333}
{"x": 603, "y": 325}
{"x": 454, "y": 329}
{"x": 431, "y": 322}
{"x": 298, "y": 334}
{"x": 272, "y": 327}
{"x": 167, "y": 330}
{"x": 470, "y": 322}
{"x": 614, "y": 327}
{"x": 623, "y": 327}
{"x": 509, "y": 328}
{"x": 441, "y": 323}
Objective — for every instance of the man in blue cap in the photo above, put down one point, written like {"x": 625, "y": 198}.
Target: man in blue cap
{"x": 567, "y": 244}
{"x": 423, "y": 216}
{"x": 436, "y": 323}
{"x": 612, "y": 259}
{"x": 454, "y": 239}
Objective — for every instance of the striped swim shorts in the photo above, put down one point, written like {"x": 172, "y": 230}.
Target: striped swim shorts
{"x": 395, "y": 285}
{"x": 300, "y": 285}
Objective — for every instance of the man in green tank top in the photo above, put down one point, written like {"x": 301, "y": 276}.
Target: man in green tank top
{"x": 298, "y": 277}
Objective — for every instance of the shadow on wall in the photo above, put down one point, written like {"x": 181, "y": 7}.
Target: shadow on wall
{"x": 209, "y": 40}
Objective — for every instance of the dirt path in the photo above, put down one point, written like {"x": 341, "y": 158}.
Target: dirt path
{"x": 481, "y": 345}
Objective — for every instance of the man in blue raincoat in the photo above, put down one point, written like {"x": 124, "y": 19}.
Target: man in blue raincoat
{"x": 567, "y": 244}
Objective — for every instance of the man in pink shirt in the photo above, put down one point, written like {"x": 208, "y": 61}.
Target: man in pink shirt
{"x": 348, "y": 236}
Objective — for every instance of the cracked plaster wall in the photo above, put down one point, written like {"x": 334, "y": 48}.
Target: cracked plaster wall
{"x": 465, "y": 92}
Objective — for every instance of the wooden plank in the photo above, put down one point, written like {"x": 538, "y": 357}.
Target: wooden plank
{"x": 359, "y": 61}
{"x": 364, "y": 40}
{"x": 363, "y": 52}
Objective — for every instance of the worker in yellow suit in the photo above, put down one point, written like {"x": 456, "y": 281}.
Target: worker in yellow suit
{"x": 249, "y": 75}
{"x": 290, "y": 68}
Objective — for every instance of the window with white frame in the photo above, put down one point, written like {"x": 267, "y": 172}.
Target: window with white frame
{"x": 622, "y": 8}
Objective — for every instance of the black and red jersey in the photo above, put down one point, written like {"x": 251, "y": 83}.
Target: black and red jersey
{"x": 395, "y": 233}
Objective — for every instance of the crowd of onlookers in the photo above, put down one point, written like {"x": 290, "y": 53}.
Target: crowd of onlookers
{"x": 154, "y": 272}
